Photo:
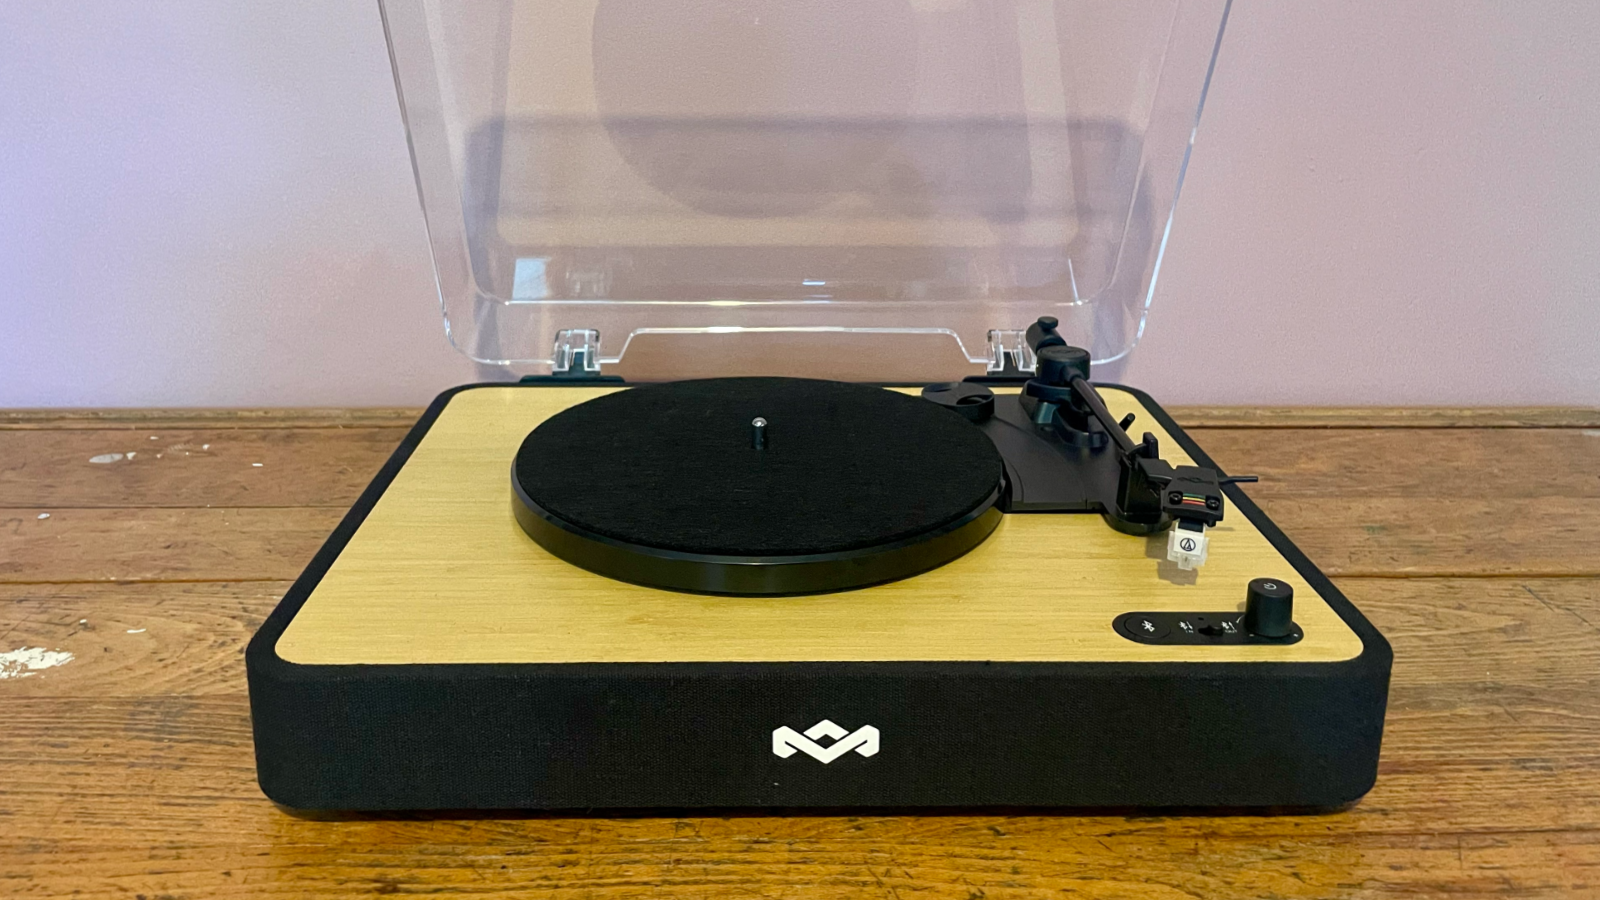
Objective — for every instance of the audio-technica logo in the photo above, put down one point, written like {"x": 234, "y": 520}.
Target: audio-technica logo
{"x": 864, "y": 740}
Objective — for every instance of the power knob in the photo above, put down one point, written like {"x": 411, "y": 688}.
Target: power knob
{"x": 1269, "y": 608}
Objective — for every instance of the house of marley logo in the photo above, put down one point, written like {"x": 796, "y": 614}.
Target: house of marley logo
{"x": 864, "y": 740}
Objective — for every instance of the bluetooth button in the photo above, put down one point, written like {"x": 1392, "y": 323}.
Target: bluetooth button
{"x": 1143, "y": 628}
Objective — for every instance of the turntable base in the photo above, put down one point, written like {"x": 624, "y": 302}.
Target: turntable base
{"x": 434, "y": 656}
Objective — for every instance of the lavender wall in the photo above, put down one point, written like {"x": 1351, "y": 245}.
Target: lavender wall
{"x": 210, "y": 204}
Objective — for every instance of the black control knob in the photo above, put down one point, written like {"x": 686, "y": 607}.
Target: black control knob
{"x": 1269, "y": 608}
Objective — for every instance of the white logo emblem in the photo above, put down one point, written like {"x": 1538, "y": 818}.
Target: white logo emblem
{"x": 864, "y": 740}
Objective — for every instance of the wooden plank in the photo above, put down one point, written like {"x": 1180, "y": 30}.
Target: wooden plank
{"x": 98, "y": 468}
{"x": 1404, "y": 538}
{"x": 1507, "y": 632}
{"x": 140, "y": 640}
{"x": 1439, "y": 466}
{"x": 141, "y": 419}
{"x": 161, "y": 544}
{"x": 960, "y": 859}
{"x": 1406, "y": 502}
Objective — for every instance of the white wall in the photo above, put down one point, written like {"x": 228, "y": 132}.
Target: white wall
{"x": 1390, "y": 203}
{"x": 210, "y": 204}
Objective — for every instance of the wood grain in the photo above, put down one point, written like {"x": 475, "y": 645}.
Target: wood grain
{"x": 985, "y": 857}
{"x": 128, "y": 770}
{"x": 174, "y": 468}
{"x": 439, "y": 572}
{"x": 145, "y": 544}
{"x": 1444, "y": 465}
{"x": 232, "y": 419}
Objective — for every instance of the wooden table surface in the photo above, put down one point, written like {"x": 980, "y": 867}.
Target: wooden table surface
{"x": 1470, "y": 537}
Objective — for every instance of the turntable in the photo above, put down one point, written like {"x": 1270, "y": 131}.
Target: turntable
{"x": 924, "y": 561}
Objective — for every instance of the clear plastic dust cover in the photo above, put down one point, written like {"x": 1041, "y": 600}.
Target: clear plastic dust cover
{"x": 844, "y": 188}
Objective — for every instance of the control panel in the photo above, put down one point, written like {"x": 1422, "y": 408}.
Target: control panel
{"x": 1268, "y": 618}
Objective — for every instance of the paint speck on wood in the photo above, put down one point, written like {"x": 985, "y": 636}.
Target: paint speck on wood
{"x": 25, "y": 661}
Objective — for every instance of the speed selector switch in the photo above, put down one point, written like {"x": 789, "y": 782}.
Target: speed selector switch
{"x": 1269, "y": 608}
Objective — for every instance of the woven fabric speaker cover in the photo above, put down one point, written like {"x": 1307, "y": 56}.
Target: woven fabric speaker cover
{"x": 677, "y": 485}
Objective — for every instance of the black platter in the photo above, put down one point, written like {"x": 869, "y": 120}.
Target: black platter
{"x": 757, "y": 486}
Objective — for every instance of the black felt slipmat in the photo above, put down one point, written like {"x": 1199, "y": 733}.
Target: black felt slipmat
{"x": 662, "y": 485}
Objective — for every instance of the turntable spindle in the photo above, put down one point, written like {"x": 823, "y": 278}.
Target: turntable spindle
{"x": 758, "y": 433}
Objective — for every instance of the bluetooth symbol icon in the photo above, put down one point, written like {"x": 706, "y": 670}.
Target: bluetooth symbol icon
{"x": 1143, "y": 627}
